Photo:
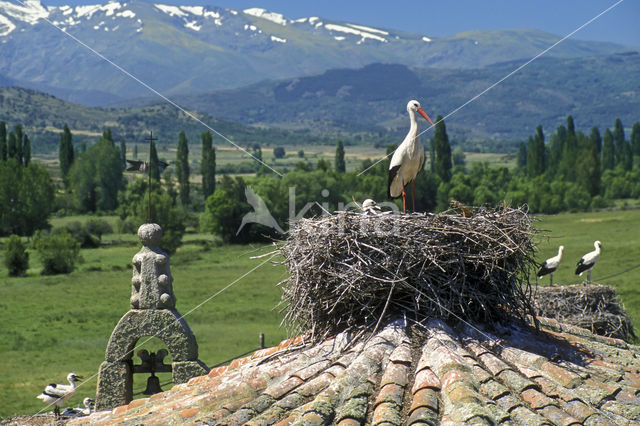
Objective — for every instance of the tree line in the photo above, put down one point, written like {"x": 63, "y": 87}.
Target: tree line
{"x": 570, "y": 171}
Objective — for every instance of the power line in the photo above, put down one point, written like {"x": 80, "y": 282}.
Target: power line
{"x": 156, "y": 92}
{"x": 474, "y": 98}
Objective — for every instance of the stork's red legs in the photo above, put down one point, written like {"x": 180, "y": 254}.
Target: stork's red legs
{"x": 413, "y": 194}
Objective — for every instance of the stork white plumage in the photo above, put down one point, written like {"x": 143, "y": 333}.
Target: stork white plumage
{"x": 408, "y": 159}
{"x": 588, "y": 261}
{"x": 79, "y": 411}
{"x": 88, "y": 406}
{"x": 56, "y": 394}
{"x": 370, "y": 207}
{"x": 550, "y": 265}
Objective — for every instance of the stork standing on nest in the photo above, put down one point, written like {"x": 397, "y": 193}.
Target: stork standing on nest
{"x": 588, "y": 261}
{"x": 57, "y": 395}
{"x": 550, "y": 265}
{"x": 408, "y": 159}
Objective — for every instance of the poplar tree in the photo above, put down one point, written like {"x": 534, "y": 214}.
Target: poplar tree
{"x": 208, "y": 165}
{"x": 96, "y": 177}
{"x": 443, "y": 150}
{"x": 182, "y": 168}
{"x": 535, "y": 154}
{"x": 608, "y": 151}
{"x": 595, "y": 139}
{"x": 12, "y": 146}
{"x": 19, "y": 141}
{"x": 635, "y": 138}
{"x": 588, "y": 165}
{"x": 634, "y": 144}
{"x": 432, "y": 155}
{"x": 123, "y": 154}
{"x": 26, "y": 152}
{"x": 622, "y": 149}
{"x": 65, "y": 151}
{"x": 154, "y": 170}
{"x": 341, "y": 166}
{"x": 3, "y": 140}
{"x": 522, "y": 156}
{"x": 570, "y": 152}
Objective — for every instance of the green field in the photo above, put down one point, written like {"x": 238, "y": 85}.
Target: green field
{"x": 619, "y": 264}
{"x": 58, "y": 324}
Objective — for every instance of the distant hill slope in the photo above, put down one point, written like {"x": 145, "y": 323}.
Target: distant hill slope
{"x": 371, "y": 100}
{"x": 364, "y": 106}
{"x": 43, "y": 116}
{"x": 193, "y": 49}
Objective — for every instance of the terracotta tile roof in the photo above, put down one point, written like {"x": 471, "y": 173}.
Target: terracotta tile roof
{"x": 427, "y": 374}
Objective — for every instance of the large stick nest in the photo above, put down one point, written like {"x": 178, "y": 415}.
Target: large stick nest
{"x": 353, "y": 270}
{"x": 594, "y": 307}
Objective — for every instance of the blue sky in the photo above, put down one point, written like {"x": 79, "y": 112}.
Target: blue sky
{"x": 447, "y": 17}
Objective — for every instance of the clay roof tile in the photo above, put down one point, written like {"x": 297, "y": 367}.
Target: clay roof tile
{"x": 440, "y": 375}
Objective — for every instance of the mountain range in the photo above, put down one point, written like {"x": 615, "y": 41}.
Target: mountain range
{"x": 341, "y": 104}
{"x": 371, "y": 100}
{"x": 194, "y": 49}
{"x": 258, "y": 76}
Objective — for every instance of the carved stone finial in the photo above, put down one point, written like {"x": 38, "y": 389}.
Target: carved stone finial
{"x": 150, "y": 234}
{"x": 151, "y": 282}
{"x": 152, "y": 313}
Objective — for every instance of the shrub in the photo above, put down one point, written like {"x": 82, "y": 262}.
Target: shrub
{"x": 16, "y": 257}
{"x": 81, "y": 234}
{"x": 126, "y": 226}
{"x": 58, "y": 252}
{"x": 98, "y": 227}
{"x": 278, "y": 152}
{"x": 577, "y": 198}
{"x": 598, "y": 202}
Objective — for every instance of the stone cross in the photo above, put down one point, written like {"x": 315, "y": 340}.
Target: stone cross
{"x": 152, "y": 314}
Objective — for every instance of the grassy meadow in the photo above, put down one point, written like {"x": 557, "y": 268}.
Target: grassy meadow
{"x": 57, "y": 324}
{"x": 619, "y": 263}
{"x": 229, "y": 155}
{"x": 53, "y": 325}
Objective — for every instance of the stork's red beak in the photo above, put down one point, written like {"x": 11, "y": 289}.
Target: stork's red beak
{"x": 424, "y": 114}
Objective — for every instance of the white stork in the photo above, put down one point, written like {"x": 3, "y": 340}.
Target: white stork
{"x": 370, "y": 207}
{"x": 588, "y": 261}
{"x": 408, "y": 159}
{"x": 57, "y": 395}
{"x": 550, "y": 265}
{"x": 79, "y": 411}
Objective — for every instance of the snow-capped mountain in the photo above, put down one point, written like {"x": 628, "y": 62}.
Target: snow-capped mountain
{"x": 79, "y": 53}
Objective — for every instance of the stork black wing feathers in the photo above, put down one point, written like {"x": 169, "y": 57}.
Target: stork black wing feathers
{"x": 582, "y": 266}
{"x": 544, "y": 270}
{"x": 135, "y": 165}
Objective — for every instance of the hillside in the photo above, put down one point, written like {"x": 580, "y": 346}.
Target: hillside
{"x": 364, "y": 106}
{"x": 192, "y": 49}
{"x": 361, "y": 104}
{"x": 43, "y": 117}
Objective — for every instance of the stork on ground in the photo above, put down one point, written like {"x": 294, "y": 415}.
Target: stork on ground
{"x": 588, "y": 261}
{"x": 55, "y": 394}
{"x": 550, "y": 265}
{"x": 408, "y": 159}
